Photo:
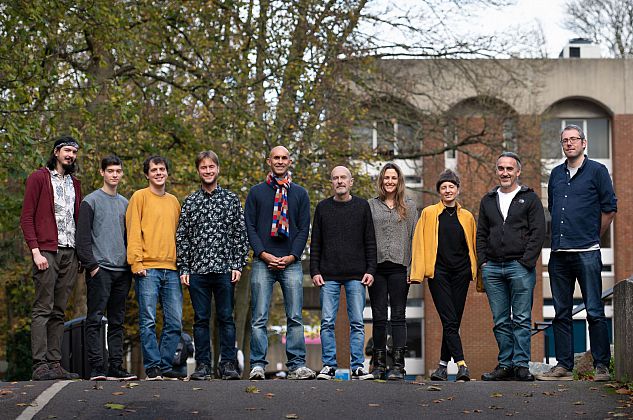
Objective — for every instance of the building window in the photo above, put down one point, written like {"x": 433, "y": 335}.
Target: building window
{"x": 388, "y": 137}
{"x": 596, "y": 130}
{"x": 574, "y": 52}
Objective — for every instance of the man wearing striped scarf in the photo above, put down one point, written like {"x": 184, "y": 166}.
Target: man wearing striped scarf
{"x": 277, "y": 215}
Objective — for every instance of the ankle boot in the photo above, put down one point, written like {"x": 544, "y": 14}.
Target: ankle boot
{"x": 397, "y": 371}
{"x": 380, "y": 364}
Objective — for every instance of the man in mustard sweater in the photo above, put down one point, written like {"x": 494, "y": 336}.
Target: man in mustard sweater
{"x": 151, "y": 221}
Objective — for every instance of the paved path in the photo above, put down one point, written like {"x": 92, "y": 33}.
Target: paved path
{"x": 282, "y": 399}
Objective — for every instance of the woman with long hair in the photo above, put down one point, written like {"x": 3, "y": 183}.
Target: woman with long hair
{"x": 394, "y": 218}
{"x": 444, "y": 253}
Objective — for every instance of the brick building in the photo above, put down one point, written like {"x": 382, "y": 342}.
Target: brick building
{"x": 518, "y": 105}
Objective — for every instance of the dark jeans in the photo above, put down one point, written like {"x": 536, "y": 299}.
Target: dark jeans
{"x": 449, "y": 290}
{"x": 201, "y": 289}
{"x": 52, "y": 289}
{"x": 390, "y": 287}
{"x": 564, "y": 269}
{"x": 106, "y": 293}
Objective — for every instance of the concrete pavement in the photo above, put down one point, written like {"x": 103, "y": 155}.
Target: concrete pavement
{"x": 283, "y": 399}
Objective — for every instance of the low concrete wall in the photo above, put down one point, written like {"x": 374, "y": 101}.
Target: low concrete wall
{"x": 623, "y": 330}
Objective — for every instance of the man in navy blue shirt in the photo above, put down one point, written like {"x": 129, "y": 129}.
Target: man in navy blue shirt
{"x": 277, "y": 223}
{"x": 582, "y": 203}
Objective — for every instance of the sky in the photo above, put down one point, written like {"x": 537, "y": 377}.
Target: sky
{"x": 548, "y": 13}
{"x": 470, "y": 19}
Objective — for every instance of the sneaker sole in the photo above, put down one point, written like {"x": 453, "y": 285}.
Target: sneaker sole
{"x": 124, "y": 378}
{"x": 300, "y": 378}
{"x": 438, "y": 379}
{"x": 204, "y": 378}
{"x": 99, "y": 378}
{"x": 554, "y": 378}
{"x": 325, "y": 377}
{"x": 156, "y": 378}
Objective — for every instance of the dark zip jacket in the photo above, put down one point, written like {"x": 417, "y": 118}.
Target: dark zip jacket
{"x": 520, "y": 237}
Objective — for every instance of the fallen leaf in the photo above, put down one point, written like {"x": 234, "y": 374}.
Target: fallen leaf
{"x": 6, "y": 391}
{"x": 433, "y": 388}
{"x": 130, "y": 385}
{"x": 620, "y": 414}
{"x": 579, "y": 403}
{"x": 382, "y": 381}
{"x": 252, "y": 390}
{"x": 81, "y": 400}
{"x": 494, "y": 407}
{"x": 26, "y": 404}
{"x": 196, "y": 389}
{"x": 129, "y": 410}
{"x": 527, "y": 394}
{"x": 593, "y": 388}
{"x": 373, "y": 405}
{"x": 610, "y": 386}
{"x": 270, "y": 395}
{"x": 496, "y": 395}
{"x": 466, "y": 412}
{"x": 194, "y": 412}
{"x": 113, "y": 406}
{"x": 118, "y": 393}
{"x": 623, "y": 391}
{"x": 509, "y": 414}
{"x": 580, "y": 413}
{"x": 451, "y": 398}
{"x": 97, "y": 386}
{"x": 437, "y": 401}
{"x": 476, "y": 410}
{"x": 292, "y": 416}
{"x": 549, "y": 393}
{"x": 156, "y": 395}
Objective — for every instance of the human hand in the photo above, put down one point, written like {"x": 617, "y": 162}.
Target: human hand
{"x": 318, "y": 280}
{"x": 367, "y": 280}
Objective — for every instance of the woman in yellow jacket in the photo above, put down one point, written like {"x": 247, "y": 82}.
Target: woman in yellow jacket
{"x": 443, "y": 251}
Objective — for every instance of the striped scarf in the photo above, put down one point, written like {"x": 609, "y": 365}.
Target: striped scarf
{"x": 280, "y": 208}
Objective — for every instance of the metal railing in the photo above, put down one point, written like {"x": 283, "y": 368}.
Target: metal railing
{"x": 540, "y": 326}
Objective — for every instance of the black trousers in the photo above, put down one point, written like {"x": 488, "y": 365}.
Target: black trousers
{"x": 390, "y": 288}
{"x": 449, "y": 290}
{"x": 106, "y": 293}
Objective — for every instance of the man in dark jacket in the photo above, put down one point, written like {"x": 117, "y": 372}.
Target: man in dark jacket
{"x": 49, "y": 216}
{"x": 510, "y": 234}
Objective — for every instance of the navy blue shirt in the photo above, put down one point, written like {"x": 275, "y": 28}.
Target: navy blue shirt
{"x": 577, "y": 204}
{"x": 258, "y": 214}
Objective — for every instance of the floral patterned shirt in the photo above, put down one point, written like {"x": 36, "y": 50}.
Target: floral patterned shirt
{"x": 211, "y": 234}
{"x": 64, "y": 197}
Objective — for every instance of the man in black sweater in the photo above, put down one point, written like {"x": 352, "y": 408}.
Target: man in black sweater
{"x": 342, "y": 253}
{"x": 510, "y": 234}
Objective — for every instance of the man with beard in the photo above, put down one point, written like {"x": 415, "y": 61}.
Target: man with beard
{"x": 510, "y": 234}
{"x": 583, "y": 204}
{"x": 211, "y": 249}
{"x": 48, "y": 221}
{"x": 277, "y": 222}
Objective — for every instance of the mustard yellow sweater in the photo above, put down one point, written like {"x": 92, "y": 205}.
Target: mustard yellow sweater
{"x": 424, "y": 246}
{"x": 151, "y": 222}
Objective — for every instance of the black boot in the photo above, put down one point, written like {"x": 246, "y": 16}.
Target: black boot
{"x": 380, "y": 364}
{"x": 397, "y": 372}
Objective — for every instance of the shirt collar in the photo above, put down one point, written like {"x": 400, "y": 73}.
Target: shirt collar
{"x": 217, "y": 190}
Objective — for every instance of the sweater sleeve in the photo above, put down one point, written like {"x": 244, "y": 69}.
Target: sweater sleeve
{"x": 134, "y": 236}
{"x": 315, "y": 245}
{"x": 417, "y": 251}
{"x": 536, "y": 234}
{"x": 27, "y": 218}
{"x": 483, "y": 232}
{"x": 250, "y": 218}
{"x": 371, "y": 251}
{"x": 83, "y": 236}
{"x": 303, "y": 226}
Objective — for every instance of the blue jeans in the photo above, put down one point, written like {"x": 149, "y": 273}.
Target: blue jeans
{"x": 164, "y": 285}
{"x": 510, "y": 287}
{"x": 564, "y": 269}
{"x": 291, "y": 282}
{"x": 201, "y": 289}
{"x": 330, "y": 295}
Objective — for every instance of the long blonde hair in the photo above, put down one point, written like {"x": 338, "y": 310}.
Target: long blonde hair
{"x": 400, "y": 194}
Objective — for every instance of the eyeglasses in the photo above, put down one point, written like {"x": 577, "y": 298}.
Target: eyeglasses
{"x": 570, "y": 140}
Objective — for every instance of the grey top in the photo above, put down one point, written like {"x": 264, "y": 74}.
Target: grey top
{"x": 101, "y": 231}
{"x": 393, "y": 236}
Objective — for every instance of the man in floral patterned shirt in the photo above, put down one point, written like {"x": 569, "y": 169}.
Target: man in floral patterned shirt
{"x": 211, "y": 249}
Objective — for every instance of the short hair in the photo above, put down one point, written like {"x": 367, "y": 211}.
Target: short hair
{"x": 110, "y": 161}
{"x": 207, "y": 154}
{"x": 155, "y": 159}
{"x": 513, "y": 156}
{"x": 581, "y": 133}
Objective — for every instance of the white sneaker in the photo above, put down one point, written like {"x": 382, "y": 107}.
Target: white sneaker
{"x": 257, "y": 373}
{"x": 327, "y": 373}
{"x": 361, "y": 374}
{"x": 302, "y": 372}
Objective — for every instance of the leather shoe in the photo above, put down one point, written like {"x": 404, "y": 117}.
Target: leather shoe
{"x": 522, "y": 373}
{"x": 499, "y": 374}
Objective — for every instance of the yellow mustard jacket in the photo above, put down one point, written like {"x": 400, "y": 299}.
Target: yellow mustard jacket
{"x": 424, "y": 246}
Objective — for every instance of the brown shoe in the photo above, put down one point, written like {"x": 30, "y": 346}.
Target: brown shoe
{"x": 60, "y": 373}
{"x": 601, "y": 374}
{"x": 43, "y": 373}
{"x": 557, "y": 373}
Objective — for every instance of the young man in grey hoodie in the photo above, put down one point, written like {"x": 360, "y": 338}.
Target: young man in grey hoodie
{"x": 101, "y": 250}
